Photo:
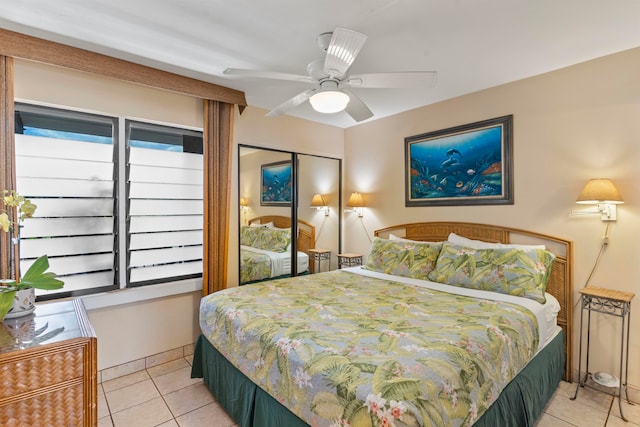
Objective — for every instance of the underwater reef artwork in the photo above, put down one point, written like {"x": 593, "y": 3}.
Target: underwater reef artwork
{"x": 464, "y": 165}
{"x": 276, "y": 187}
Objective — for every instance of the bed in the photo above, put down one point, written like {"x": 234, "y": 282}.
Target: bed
{"x": 399, "y": 355}
{"x": 265, "y": 251}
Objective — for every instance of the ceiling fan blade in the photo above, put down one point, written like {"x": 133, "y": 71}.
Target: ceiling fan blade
{"x": 409, "y": 79}
{"x": 343, "y": 48}
{"x": 356, "y": 108}
{"x": 291, "y": 103}
{"x": 274, "y": 75}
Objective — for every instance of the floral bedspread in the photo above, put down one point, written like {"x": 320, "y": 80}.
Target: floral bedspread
{"x": 254, "y": 266}
{"x": 341, "y": 349}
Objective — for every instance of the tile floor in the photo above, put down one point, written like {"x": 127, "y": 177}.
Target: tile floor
{"x": 166, "y": 396}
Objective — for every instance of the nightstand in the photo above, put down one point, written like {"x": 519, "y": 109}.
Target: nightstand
{"x": 48, "y": 367}
{"x": 613, "y": 303}
{"x": 349, "y": 260}
{"x": 317, "y": 256}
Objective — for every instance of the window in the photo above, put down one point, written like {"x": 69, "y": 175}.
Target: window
{"x": 85, "y": 184}
{"x": 165, "y": 209}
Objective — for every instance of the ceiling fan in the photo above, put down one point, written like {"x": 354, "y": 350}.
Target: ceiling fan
{"x": 333, "y": 83}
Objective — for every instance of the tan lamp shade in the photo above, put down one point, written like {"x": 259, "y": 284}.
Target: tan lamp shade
{"x": 318, "y": 201}
{"x": 599, "y": 190}
{"x": 243, "y": 202}
{"x": 355, "y": 200}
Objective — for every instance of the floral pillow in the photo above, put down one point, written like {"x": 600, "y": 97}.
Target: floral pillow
{"x": 273, "y": 239}
{"x": 248, "y": 235}
{"x": 403, "y": 257}
{"x": 512, "y": 271}
{"x": 269, "y": 239}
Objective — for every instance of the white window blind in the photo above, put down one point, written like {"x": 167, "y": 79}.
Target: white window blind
{"x": 68, "y": 164}
{"x": 72, "y": 183}
{"x": 165, "y": 210}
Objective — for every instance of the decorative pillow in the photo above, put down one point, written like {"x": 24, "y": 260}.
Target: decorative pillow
{"x": 269, "y": 239}
{"x": 511, "y": 271}
{"x": 403, "y": 257}
{"x": 248, "y": 235}
{"x": 272, "y": 239}
{"x": 479, "y": 244}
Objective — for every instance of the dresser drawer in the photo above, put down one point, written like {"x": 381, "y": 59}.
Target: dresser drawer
{"x": 41, "y": 371}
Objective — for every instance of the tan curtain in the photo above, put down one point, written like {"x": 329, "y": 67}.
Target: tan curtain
{"x": 218, "y": 141}
{"x": 7, "y": 147}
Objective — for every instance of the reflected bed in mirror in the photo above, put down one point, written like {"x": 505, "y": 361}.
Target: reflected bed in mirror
{"x": 265, "y": 248}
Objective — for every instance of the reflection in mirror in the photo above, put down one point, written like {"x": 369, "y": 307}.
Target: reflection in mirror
{"x": 268, "y": 187}
{"x": 319, "y": 206}
{"x": 265, "y": 194}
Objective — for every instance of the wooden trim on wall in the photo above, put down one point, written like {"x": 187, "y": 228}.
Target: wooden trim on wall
{"x": 7, "y": 149}
{"x": 18, "y": 45}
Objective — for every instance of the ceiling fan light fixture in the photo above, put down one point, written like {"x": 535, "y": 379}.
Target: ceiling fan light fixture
{"x": 329, "y": 101}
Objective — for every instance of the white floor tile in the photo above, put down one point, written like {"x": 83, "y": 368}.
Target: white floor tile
{"x": 147, "y": 414}
{"x": 132, "y": 395}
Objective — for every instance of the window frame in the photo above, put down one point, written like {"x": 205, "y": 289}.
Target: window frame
{"x": 104, "y": 296}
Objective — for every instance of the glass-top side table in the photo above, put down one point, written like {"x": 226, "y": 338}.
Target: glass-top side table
{"x": 614, "y": 303}
{"x": 349, "y": 260}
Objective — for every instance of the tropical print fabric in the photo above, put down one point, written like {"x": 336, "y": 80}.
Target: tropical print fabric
{"x": 403, "y": 257}
{"x": 254, "y": 266}
{"x": 342, "y": 349}
{"x": 518, "y": 272}
{"x": 270, "y": 239}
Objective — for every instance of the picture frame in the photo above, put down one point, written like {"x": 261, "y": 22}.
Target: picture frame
{"x": 276, "y": 184}
{"x": 471, "y": 164}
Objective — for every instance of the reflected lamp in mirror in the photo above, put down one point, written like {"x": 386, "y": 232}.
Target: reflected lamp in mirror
{"x": 244, "y": 208}
{"x": 356, "y": 203}
{"x": 318, "y": 202}
{"x": 603, "y": 194}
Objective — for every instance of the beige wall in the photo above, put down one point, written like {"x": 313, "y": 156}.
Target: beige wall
{"x": 570, "y": 125}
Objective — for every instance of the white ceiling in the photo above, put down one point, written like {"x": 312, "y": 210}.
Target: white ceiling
{"x": 472, "y": 44}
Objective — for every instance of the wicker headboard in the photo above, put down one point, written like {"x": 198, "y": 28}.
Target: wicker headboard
{"x": 306, "y": 231}
{"x": 560, "y": 283}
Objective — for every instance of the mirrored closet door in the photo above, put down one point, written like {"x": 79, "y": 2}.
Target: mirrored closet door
{"x": 289, "y": 213}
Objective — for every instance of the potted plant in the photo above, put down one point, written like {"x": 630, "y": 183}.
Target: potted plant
{"x": 14, "y": 211}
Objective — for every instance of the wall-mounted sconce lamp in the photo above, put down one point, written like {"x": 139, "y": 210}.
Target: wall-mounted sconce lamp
{"x": 318, "y": 202}
{"x": 604, "y": 195}
{"x": 244, "y": 208}
{"x": 356, "y": 203}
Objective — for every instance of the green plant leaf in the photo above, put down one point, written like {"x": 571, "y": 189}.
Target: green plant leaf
{"x": 37, "y": 277}
{"x": 6, "y": 299}
{"x": 38, "y": 267}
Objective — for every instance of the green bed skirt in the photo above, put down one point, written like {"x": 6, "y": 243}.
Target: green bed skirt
{"x": 519, "y": 405}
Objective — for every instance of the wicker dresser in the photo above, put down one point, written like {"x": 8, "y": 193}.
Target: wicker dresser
{"x": 48, "y": 368}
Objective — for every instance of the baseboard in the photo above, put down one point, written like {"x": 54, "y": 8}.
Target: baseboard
{"x": 145, "y": 363}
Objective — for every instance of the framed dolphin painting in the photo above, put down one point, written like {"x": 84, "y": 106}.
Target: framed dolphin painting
{"x": 276, "y": 184}
{"x": 464, "y": 165}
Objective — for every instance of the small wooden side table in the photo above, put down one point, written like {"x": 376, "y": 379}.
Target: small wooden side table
{"x": 349, "y": 260}
{"x": 48, "y": 367}
{"x": 317, "y": 256}
{"x": 614, "y": 303}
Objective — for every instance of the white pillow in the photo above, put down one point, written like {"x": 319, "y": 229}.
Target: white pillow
{"x": 257, "y": 224}
{"x": 394, "y": 237}
{"x": 479, "y": 244}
